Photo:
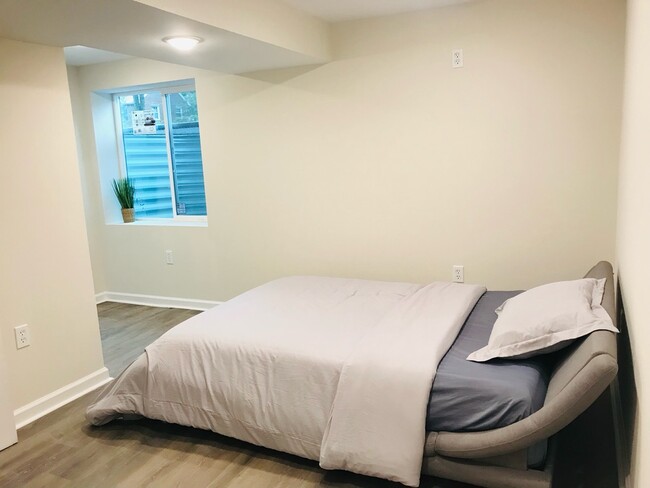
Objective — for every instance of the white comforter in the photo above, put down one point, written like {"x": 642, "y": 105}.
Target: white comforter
{"x": 329, "y": 369}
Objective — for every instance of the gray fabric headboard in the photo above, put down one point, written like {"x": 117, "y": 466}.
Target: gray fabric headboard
{"x": 581, "y": 375}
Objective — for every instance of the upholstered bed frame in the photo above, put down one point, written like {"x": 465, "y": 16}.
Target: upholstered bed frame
{"x": 498, "y": 458}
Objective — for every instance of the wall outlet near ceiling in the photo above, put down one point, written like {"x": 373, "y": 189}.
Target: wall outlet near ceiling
{"x": 457, "y": 58}
{"x": 458, "y": 275}
{"x": 169, "y": 256}
{"x": 23, "y": 338}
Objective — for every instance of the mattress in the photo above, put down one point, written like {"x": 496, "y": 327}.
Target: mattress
{"x": 469, "y": 397}
{"x": 302, "y": 365}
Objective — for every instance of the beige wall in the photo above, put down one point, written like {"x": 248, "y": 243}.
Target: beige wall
{"x": 633, "y": 244}
{"x": 45, "y": 272}
{"x": 93, "y": 213}
{"x": 388, "y": 164}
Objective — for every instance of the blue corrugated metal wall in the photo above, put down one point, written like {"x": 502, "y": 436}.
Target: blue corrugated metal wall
{"x": 147, "y": 167}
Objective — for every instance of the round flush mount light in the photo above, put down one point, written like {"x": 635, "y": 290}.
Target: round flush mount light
{"x": 183, "y": 43}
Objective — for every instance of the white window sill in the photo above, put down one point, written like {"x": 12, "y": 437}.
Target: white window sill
{"x": 163, "y": 223}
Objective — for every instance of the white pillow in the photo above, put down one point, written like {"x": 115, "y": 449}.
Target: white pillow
{"x": 545, "y": 319}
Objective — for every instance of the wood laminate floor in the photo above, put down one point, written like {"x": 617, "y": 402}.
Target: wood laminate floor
{"x": 62, "y": 450}
{"x": 127, "y": 329}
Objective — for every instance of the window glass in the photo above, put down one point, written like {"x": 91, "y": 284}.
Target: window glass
{"x": 162, "y": 153}
{"x": 185, "y": 144}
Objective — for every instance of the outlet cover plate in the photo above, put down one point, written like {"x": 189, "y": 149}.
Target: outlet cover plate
{"x": 458, "y": 275}
{"x": 22, "y": 336}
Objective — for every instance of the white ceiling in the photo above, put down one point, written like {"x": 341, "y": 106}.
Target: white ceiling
{"x": 134, "y": 29}
{"x": 94, "y": 31}
{"x": 82, "y": 55}
{"x": 339, "y": 10}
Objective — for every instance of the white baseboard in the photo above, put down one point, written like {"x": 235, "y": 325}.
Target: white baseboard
{"x": 44, "y": 405}
{"x": 155, "y": 301}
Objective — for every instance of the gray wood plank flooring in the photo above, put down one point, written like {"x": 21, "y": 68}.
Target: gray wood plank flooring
{"x": 62, "y": 450}
{"x": 127, "y": 329}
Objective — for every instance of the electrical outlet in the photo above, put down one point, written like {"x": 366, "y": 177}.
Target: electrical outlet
{"x": 457, "y": 58}
{"x": 22, "y": 336}
{"x": 458, "y": 275}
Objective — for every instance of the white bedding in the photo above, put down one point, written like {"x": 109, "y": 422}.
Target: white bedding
{"x": 335, "y": 370}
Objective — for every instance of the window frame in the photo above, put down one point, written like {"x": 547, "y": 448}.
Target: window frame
{"x": 119, "y": 132}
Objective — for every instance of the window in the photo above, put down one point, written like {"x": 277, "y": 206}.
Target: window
{"x": 161, "y": 152}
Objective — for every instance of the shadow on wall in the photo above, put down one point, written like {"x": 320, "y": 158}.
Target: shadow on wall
{"x": 279, "y": 76}
{"x": 627, "y": 390}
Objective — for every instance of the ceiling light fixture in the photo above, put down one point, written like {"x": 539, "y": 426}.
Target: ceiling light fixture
{"x": 183, "y": 43}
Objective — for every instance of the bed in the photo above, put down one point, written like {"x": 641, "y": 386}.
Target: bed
{"x": 364, "y": 376}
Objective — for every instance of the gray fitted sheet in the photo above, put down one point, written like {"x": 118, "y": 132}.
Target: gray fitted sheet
{"x": 470, "y": 397}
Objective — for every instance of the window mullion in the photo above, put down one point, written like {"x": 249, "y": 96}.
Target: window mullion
{"x": 168, "y": 129}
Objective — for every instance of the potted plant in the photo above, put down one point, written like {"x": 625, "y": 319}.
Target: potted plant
{"x": 124, "y": 191}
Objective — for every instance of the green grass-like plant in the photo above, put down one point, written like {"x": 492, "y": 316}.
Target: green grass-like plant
{"x": 124, "y": 191}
